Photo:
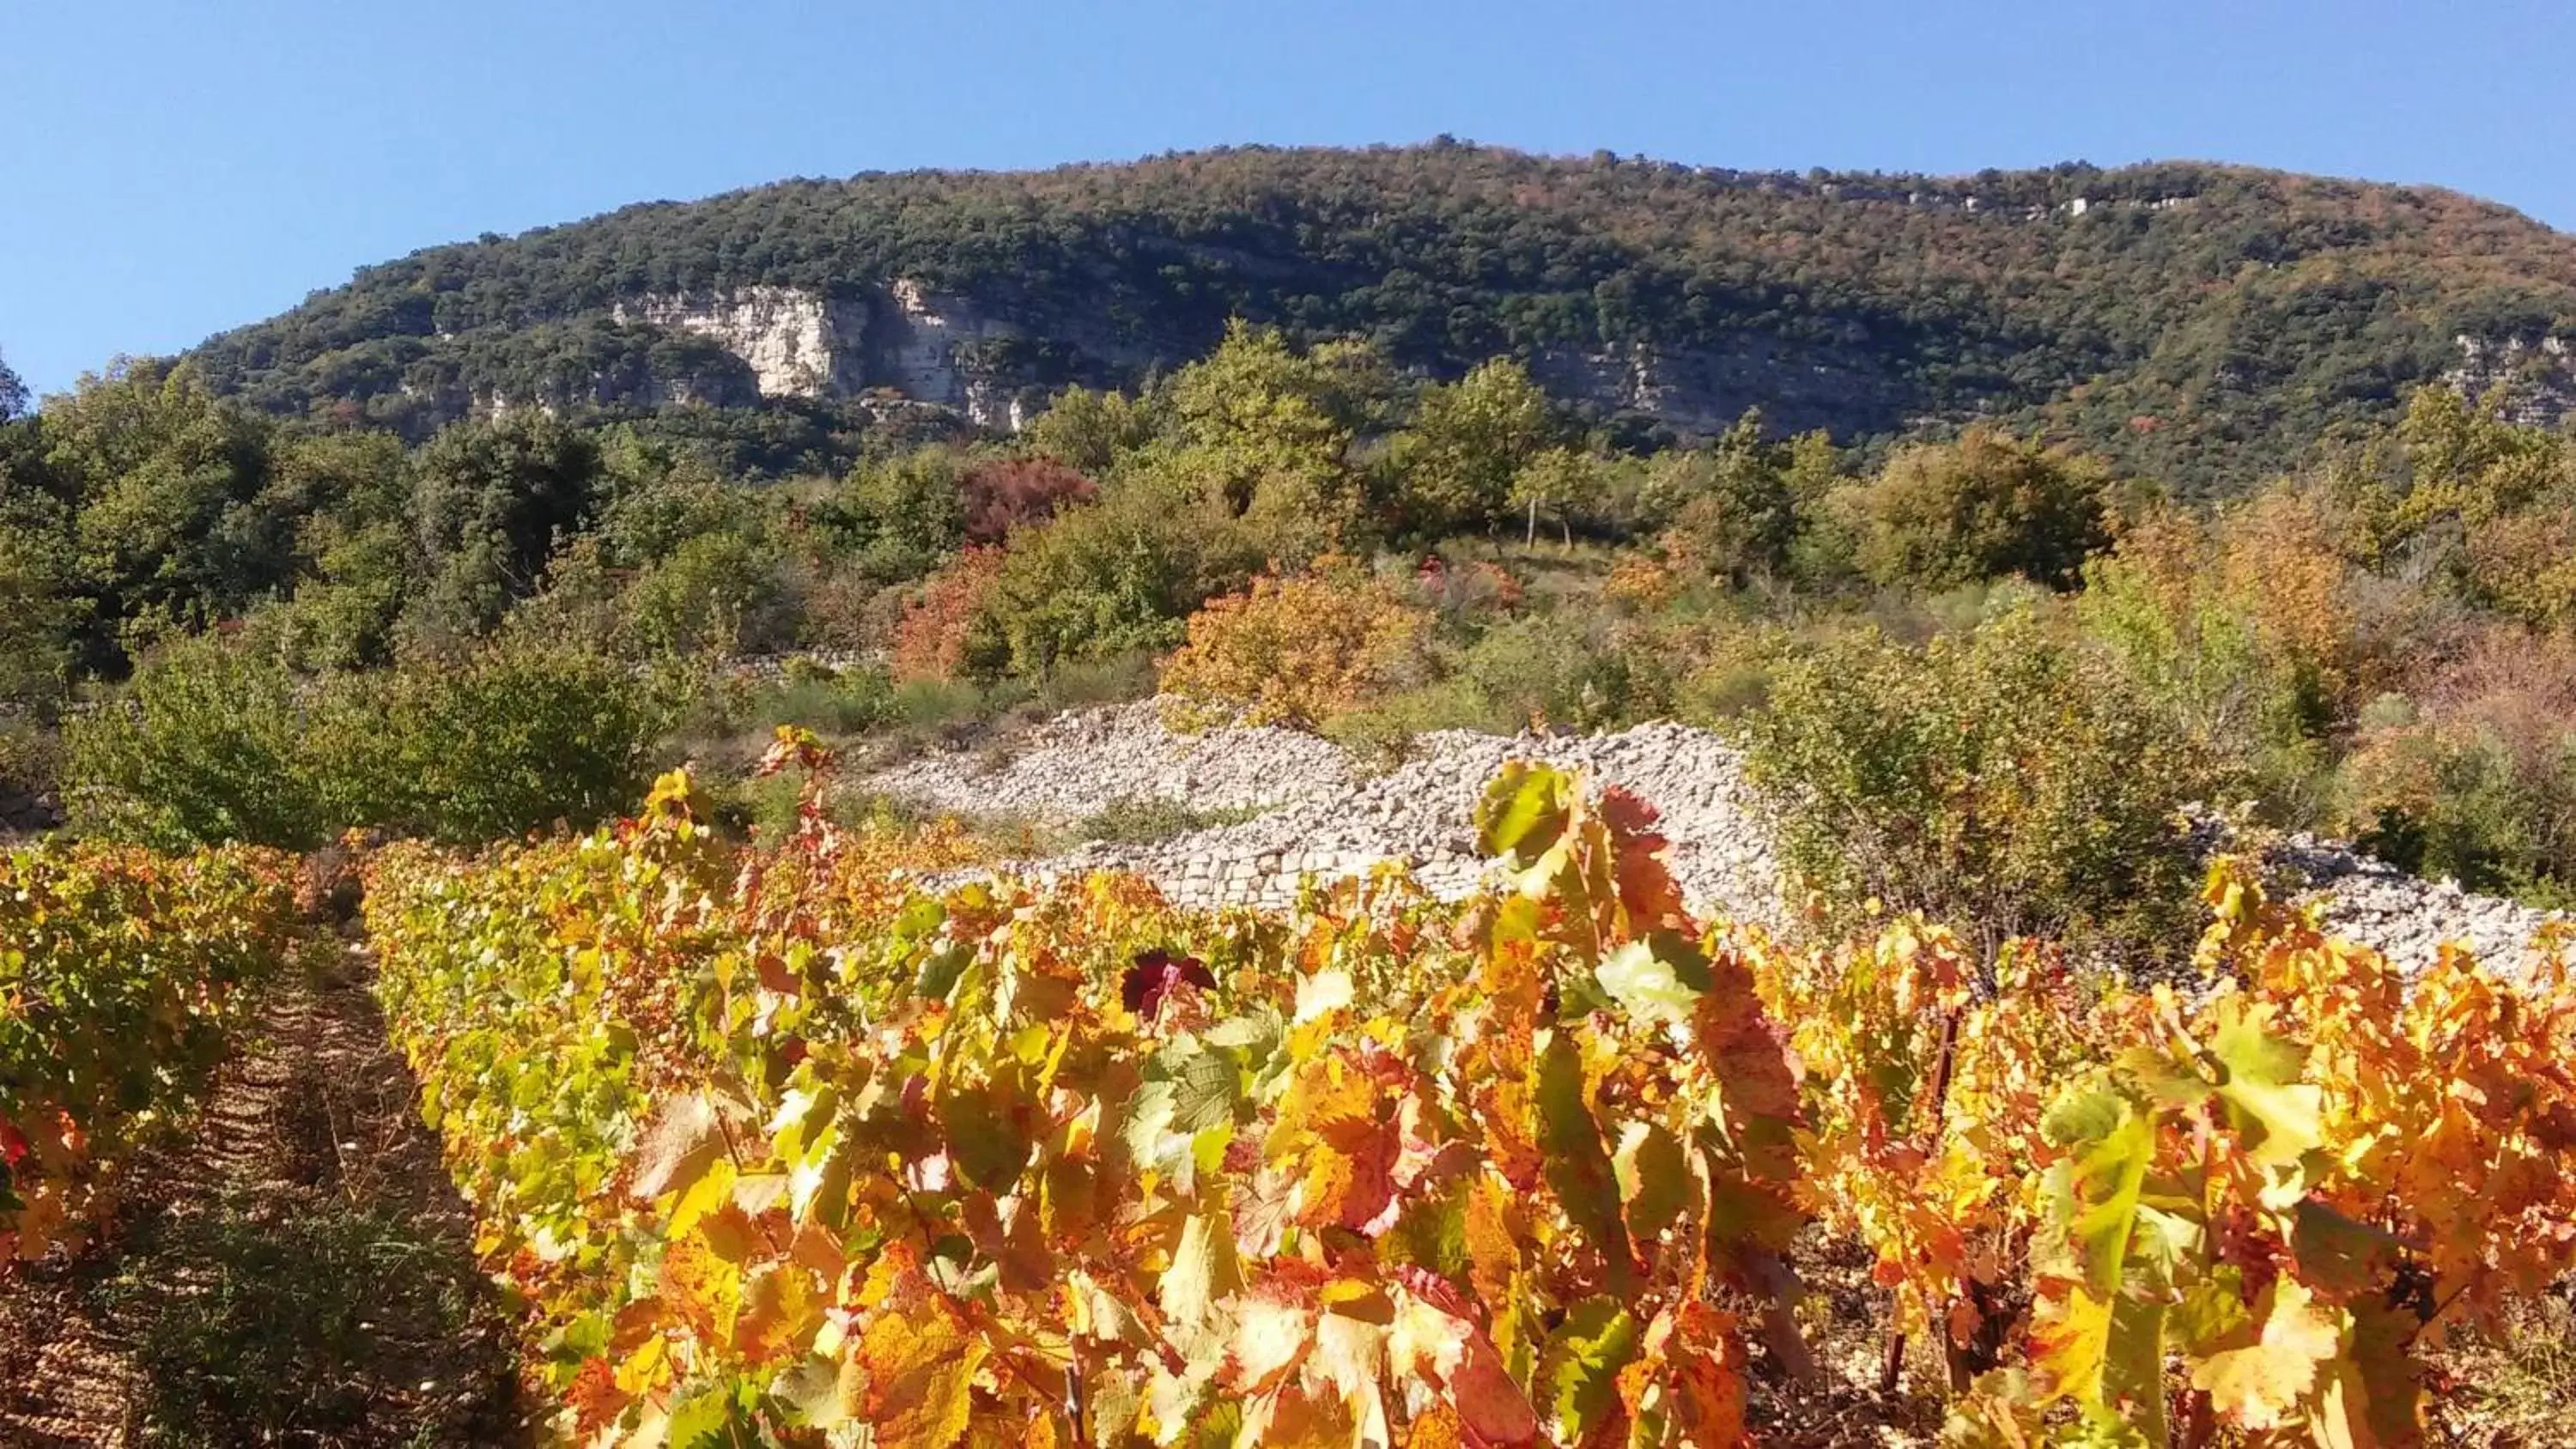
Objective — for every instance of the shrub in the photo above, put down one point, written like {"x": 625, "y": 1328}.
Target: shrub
{"x": 204, "y": 745}
{"x": 2280, "y": 559}
{"x": 2525, "y": 565}
{"x": 717, "y": 590}
{"x": 933, "y": 637}
{"x": 1296, "y": 651}
{"x": 1009, "y": 493}
{"x": 511, "y": 738}
{"x": 30, "y": 756}
{"x": 1145, "y": 819}
{"x": 1577, "y": 666}
{"x": 2479, "y": 781}
{"x": 846, "y": 701}
{"x": 1382, "y": 735}
{"x": 2003, "y": 780}
{"x": 2205, "y": 665}
{"x": 1106, "y": 579}
{"x": 215, "y": 742}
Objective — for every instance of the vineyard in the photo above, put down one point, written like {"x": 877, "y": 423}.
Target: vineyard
{"x": 783, "y": 1145}
{"x": 122, "y": 977}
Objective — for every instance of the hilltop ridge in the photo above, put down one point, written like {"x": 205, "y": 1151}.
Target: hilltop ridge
{"x": 2200, "y": 323}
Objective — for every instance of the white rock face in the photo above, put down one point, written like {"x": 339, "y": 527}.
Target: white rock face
{"x": 796, "y": 343}
{"x": 2538, "y": 380}
{"x": 924, "y": 353}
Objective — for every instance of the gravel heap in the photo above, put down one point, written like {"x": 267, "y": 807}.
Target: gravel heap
{"x": 2407, "y": 917}
{"x": 1330, "y": 819}
{"x": 1082, "y": 761}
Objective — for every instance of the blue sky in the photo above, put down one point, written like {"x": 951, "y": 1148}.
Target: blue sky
{"x": 174, "y": 167}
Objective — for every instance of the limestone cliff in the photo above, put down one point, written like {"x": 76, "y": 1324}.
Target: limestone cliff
{"x": 2537, "y": 379}
{"x": 796, "y": 343}
{"x": 993, "y": 362}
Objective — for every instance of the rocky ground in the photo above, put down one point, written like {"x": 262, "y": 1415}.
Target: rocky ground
{"x": 1325, "y": 815}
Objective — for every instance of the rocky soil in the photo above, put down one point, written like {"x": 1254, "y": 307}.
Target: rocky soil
{"x": 1326, "y": 816}
{"x": 1083, "y": 761}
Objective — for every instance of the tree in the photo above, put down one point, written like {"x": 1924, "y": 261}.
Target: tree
{"x": 1738, "y": 513}
{"x": 166, "y": 484}
{"x": 1088, "y": 431}
{"x": 899, "y": 517}
{"x": 1257, "y": 408}
{"x": 1987, "y": 506}
{"x": 490, "y": 499}
{"x": 41, "y": 606}
{"x": 1471, "y": 441}
{"x": 13, "y": 393}
{"x": 1554, "y": 483}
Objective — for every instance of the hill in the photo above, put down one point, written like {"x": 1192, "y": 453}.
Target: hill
{"x": 2199, "y": 322}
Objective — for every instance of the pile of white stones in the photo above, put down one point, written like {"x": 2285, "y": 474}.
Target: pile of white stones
{"x": 1326, "y": 817}
{"x": 2409, "y": 918}
{"x": 1422, "y": 815}
{"x": 1083, "y": 761}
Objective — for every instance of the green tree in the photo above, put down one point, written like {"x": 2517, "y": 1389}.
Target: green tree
{"x": 1257, "y": 408}
{"x": 490, "y": 501}
{"x": 897, "y": 518}
{"x": 355, "y": 562}
{"x": 1987, "y": 506}
{"x": 42, "y": 608}
{"x": 508, "y": 737}
{"x": 13, "y": 393}
{"x": 1460, "y": 465}
{"x": 1089, "y": 431}
{"x": 1738, "y": 504}
{"x": 1554, "y": 483}
{"x": 166, "y": 482}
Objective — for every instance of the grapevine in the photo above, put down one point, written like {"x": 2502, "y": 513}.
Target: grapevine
{"x": 121, "y": 976}
{"x": 788, "y": 1144}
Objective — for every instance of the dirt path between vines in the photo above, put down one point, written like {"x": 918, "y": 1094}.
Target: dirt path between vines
{"x": 296, "y": 1270}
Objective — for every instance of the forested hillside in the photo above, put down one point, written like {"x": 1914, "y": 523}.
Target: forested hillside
{"x": 2202, "y": 324}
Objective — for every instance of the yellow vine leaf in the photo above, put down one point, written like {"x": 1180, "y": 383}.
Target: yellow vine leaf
{"x": 2258, "y": 1386}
